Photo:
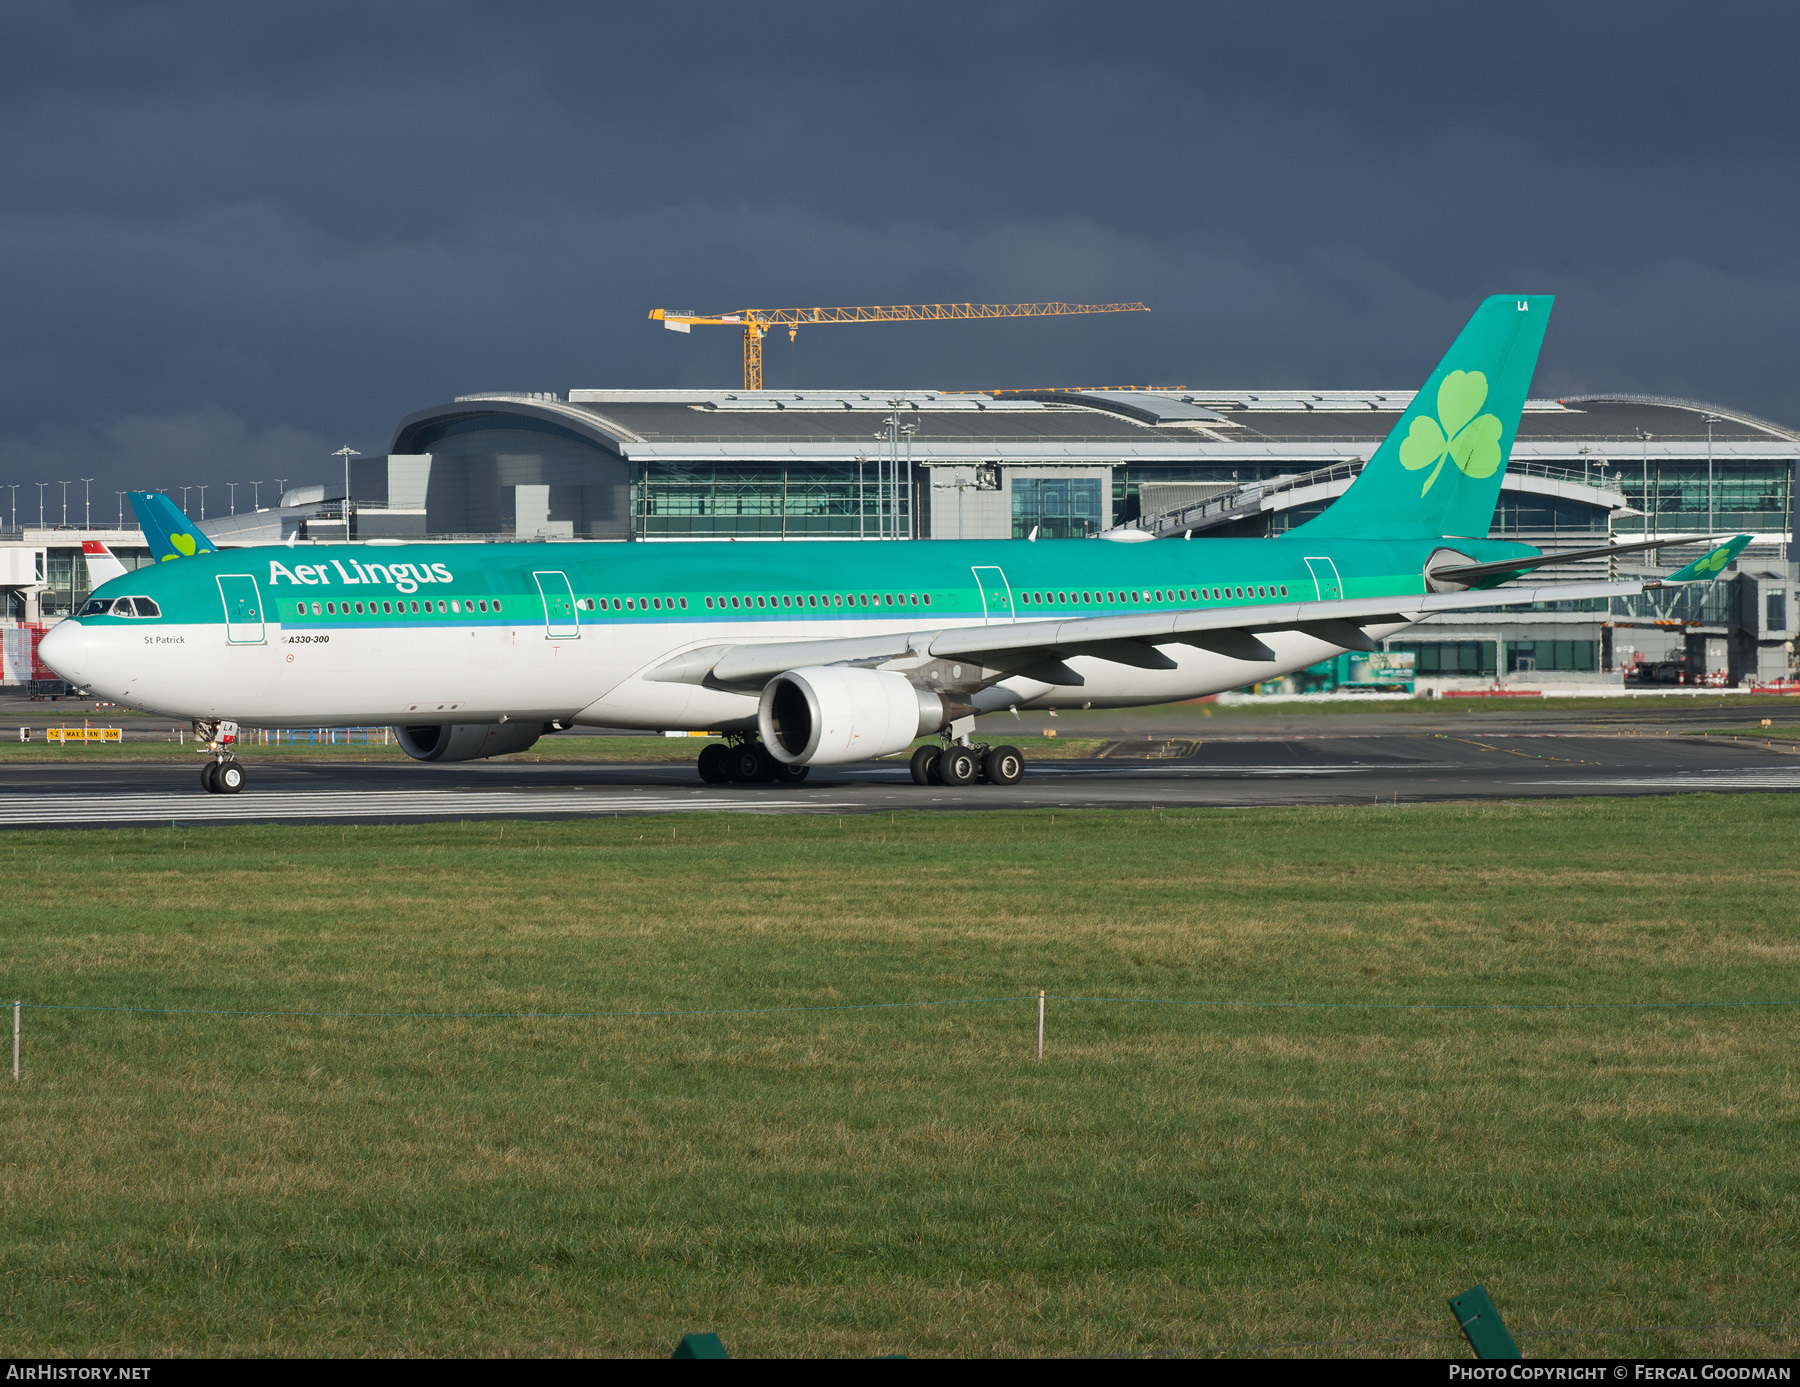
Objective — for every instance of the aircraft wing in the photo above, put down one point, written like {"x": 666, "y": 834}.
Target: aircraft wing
{"x": 1130, "y": 639}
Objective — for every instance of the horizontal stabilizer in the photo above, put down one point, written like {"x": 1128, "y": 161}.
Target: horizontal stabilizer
{"x": 1474, "y": 572}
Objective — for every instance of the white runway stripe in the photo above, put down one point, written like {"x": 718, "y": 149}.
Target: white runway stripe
{"x": 1189, "y": 769}
{"x": 434, "y": 804}
{"x": 1747, "y": 778}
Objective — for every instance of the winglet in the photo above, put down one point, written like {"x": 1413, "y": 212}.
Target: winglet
{"x": 170, "y": 534}
{"x": 1710, "y": 565}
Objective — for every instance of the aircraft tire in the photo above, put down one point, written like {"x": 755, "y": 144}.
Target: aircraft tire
{"x": 715, "y": 764}
{"x": 208, "y": 772}
{"x": 229, "y": 778}
{"x": 1004, "y": 765}
{"x": 958, "y": 766}
{"x": 790, "y": 775}
{"x": 750, "y": 764}
{"x": 924, "y": 765}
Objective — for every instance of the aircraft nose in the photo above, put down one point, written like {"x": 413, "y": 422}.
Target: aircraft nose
{"x": 68, "y": 649}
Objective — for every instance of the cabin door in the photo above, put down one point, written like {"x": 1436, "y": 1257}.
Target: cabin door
{"x": 996, "y": 595}
{"x": 560, "y": 621}
{"x": 1325, "y": 578}
{"x": 243, "y": 609}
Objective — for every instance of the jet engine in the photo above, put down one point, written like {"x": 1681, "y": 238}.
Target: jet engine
{"x": 467, "y": 741}
{"x": 825, "y": 716}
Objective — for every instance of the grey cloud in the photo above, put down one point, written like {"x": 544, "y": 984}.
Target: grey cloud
{"x": 314, "y": 221}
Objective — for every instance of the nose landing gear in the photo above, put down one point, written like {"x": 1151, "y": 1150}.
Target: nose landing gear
{"x": 223, "y": 773}
{"x": 222, "y": 777}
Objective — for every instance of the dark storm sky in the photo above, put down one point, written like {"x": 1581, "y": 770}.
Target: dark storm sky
{"x": 235, "y": 237}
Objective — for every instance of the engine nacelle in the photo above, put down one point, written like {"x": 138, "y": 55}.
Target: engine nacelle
{"x": 467, "y": 741}
{"x": 825, "y": 716}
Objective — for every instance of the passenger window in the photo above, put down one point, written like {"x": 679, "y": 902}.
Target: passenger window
{"x": 683, "y": 604}
{"x": 927, "y": 599}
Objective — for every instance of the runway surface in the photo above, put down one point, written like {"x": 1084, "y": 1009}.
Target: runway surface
{"x": 1316, "y": 767}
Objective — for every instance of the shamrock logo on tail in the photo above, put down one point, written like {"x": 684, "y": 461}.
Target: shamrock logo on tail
{"x": 1461, "y": 432}
{"x": 185, "y": 543}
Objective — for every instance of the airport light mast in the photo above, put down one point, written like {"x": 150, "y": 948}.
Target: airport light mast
{"x": 756, "y": 322}
{"x": 346, "y": 453}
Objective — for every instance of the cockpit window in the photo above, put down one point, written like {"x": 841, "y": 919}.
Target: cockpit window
{"x": 119, "y": 606}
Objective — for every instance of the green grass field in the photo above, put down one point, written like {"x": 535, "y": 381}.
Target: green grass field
{"x": 907, "y": 1180}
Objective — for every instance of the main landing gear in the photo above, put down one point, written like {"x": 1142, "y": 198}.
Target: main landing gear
{"x": 957, "y": 764}
{"x": 222, "y": 774}
{"x": 746, "y": 761}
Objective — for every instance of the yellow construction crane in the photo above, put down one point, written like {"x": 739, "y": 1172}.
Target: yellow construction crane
{"x": 757, "y": 321}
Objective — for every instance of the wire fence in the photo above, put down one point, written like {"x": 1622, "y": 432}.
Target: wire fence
{"x": 1452, "y": 1335}
{"x": 647, "y": 1013}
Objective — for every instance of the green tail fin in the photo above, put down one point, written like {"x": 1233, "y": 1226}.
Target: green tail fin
{"x": 1438, "y": 473}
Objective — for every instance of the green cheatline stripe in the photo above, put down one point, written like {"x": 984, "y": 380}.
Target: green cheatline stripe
{"x": 875, "y": 1006}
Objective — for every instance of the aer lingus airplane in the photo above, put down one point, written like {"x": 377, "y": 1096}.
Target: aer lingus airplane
{"x": 806, "y": 654}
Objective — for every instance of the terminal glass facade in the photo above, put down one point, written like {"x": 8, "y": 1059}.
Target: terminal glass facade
{"x": 1750, "y": 497}
{"x": 1452, "y": 659}
{"x": 1527, "y": 656}
{"x": 1056, "y": 507}
{"x": 758, "y": 501}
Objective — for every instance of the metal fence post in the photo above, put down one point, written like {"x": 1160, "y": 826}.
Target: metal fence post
{"x": 1040, "y": 1023}
{"x": 15, "y": 1040}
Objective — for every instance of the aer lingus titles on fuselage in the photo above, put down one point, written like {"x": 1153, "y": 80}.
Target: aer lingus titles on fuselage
{"x": 809, "y": 653}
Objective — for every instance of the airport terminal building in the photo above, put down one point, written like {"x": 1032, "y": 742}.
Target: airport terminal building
{"x": 887, "y": 465}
